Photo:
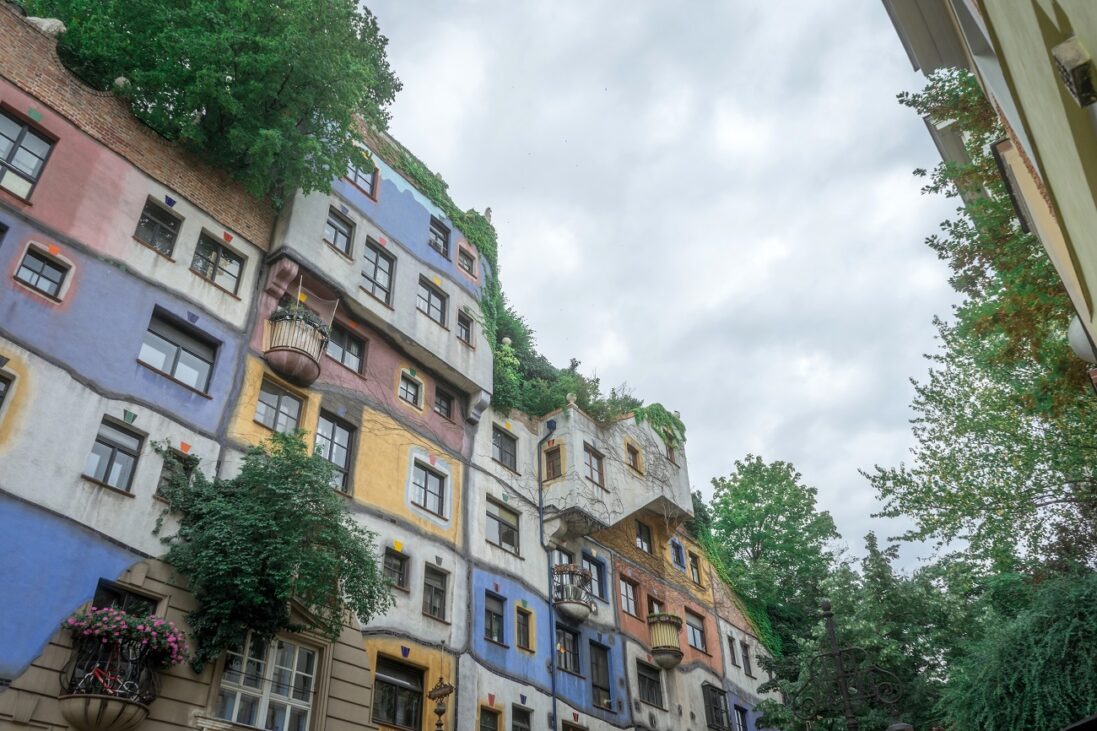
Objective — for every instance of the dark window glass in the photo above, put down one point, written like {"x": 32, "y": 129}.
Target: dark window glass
{"x": 670, "y": 451}
{"x": 396, "y": 568}
{"x": 465, "y": 261}
{"x": 643, "y": 537}
{"x": 567, "y": 650}
{"x": 489, "y": 720}
{"x": 430, "y": 489}
{"x": 593, "y": 462}
{"x": 409, "y": 390}
{"x": 158, "y": 228}
{"x": 633, "y": 457}
{"x": 678, "y": 554}
{"x": 599, "y": 675}
{"x": 553, "y": 467}
{"x": 217, "y": 263}
{"x": 443, "y": 403}
{"x": 277, "y": 409}
{"x": 377, "y": 272}
{"x": 114, "y": 455}
{"x": 431, "y": 302}
{"x": 5, "y": 386}
{"x": 504, "y": 448}
{"x": 344, "y": 347}
{"x": 628, "y": 596}
{"x": 740, "y": 719}
{"x": 597, "y": 575}
{"x": 502, "y": 528}
{"x": 746, "y": 659}
{"x": 438, "y": 238}
{"x": 695, "y": 631}
{"x": 333, "y": 443}
{"x": 654, "y": 605}
{"x": 522, "y": 629}
{"x": 434, "y": 593}
{"x": 109, "y": 594}
{"x": 651, "y": 684}
{"x": 562, "y": 557}
{"x": 493, "y": 618}
{"x": 41, "y": 272}
{"x": 520, "y": 719}
{"x": 731, "y": 651}
{"x": 695, "y": 568}
{"x": 23, "y": 153}
{"x": 339, "y": 232}
{"x": 365, "y": 181}
{"x": 397, "y": 694}
{"x": 177, "y": 352}
{"x": 464, "y": 328}
{"x": 716, "y": 708}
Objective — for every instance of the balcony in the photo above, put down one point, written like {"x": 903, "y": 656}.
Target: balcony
{"x": 666, "y": 647}
{"x": 109, "y": 686}
{"x": 571, "y": 592}
{"x": 296, "y": 338}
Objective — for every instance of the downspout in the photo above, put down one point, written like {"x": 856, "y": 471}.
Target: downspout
{"x": 551, "y": 424}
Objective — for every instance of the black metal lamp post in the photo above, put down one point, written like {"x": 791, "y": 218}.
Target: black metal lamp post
{"x": 439, "y": 693}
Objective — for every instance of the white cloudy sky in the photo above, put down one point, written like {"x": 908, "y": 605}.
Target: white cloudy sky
{"x": 710, "y": 200}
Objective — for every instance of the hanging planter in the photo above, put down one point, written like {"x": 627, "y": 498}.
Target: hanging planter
{"x": 296, "y": 338}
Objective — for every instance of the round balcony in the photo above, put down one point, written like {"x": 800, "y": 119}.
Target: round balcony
{"x": 665, "y": 633}
{"x": 571, "y": 592}
{"x": 296, "y": 338}
{"x": 107, "y": 686}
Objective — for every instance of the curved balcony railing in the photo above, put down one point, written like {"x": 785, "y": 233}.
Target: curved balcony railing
{"x": 666, "y": 643}
{"x": 296, "y": 338}
{"x": 107, "y": 686}
{"x": 571, "y": 592}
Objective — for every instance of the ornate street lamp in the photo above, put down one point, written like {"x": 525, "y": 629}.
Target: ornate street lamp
{"x": 439, "y": 693}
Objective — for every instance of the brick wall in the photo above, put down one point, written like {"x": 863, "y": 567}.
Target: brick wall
{"x": 28, "y": 59}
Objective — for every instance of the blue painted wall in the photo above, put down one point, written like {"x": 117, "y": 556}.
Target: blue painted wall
{"x": 534, "y": 668}
{"x": 49, "y": 567}
{"x": 97, "y": 330}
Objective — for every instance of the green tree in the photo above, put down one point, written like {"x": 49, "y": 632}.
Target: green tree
{"x": 274, "y": 533}
{"x": 274, "y": 91}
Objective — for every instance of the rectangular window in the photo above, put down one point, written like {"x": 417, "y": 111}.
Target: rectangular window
{"x": 654, "y": 605}
{"x": 431, "y": 301}
{"x": 643, "y": 537}
{"x": 396, "y": 568}
{"x": 678, "y": 554}
{"x": 746, "y": 659}
{"x": 502, "y": 528}
{"x": 397, "y": 694}
{"x": 599, "y": 675}
{"x": 333, "y": 443}
{"x": 113, "y": 457}
{"x": 157, "y": 228}
{"x": 740, "y": 719}
{"x": 409, "y": 390}
{"x": 466, "y": 262}
{"x": 443, "y": 403}
{"x": 178, "y": 353}
{"x": 365, "y": 181}
{"x": 23, "y": 154}
{"x": 338, "y": 231}
{"x": 670, "y": 451}
{"x": 567, "y": 650}
{"x": 109, "y": 594}
{"x": 553, "y": 466}
{"x": 438, "y": 238}
{"x": 522, "y": 629}
{"x": 650, "y": 681}
{"x": 493, "y": 618}
{"x": 694, "y": 568}
{"x": 430, "y": 489}
{"x": 504, "y": 448}
{"x": 268, "y": 684}
{"x": 5, "y": 386}
{"x": 277, "y": 408}
{"x": 594, "y": 464}
{"x": 217, "y": 263}
{"x": 521, "y": 719}
{"x": 434, "y": 593}
{"x": 731, "y": 651}
{"x": 464, "y": 328}
{"x": 489, "y": 720}
{"x": 695, "y": 631}
{"x": 597, "y": 576}
{"x": 41, "y": 272}
{"x": 377, "y": 272}
{"x": 633, "y": 457}
{"x": 346, "y": 348}
{"x": 175, "y": 460}
{"x": 628, "y": 596}
{"x": 716, "y": 708}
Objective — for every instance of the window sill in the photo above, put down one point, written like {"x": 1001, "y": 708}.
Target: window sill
{"x": 344, "y": 366}
{"x": 404, "y": 589}
{"x": 437, "y": 619}
{"x": 112, "y": 488}
{"x": 215, "y": 285}
{"x": 174, "y": 380}
{"x": 607, "y": 709}
{"x": 439, "y": 324}
{"x": 339, "y": 251}
{"x": 19, "y": 198}
{"x": 505, "y": 549}
{"x": 706, "y": 653}
{"x": 571, "y": 672}
{"x": 634, "y": 616}
{"x": 497, "y": 643}
{"x": 653, "y": 705}
{"x": 467, "y": 344}
{"x": 377, "y": 299}
{"x": 154, "y": 250}
{"x": 34, "y": 290}
{"x": 637, "y": 470}
{"x": 507, "y": 467}
{"x": 530, "y": 650}
{"x": 599, "y": 484}
{"x": 366, "y": 193}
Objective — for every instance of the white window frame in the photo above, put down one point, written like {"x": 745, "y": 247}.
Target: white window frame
{"x": 266, "y": 683}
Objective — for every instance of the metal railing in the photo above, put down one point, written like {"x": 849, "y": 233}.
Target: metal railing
{"x": 123, "y": 670}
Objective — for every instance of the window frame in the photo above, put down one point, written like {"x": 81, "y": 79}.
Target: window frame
{"x": 339, "y": 224}
{"x": 464, "y": 328}
{"x": 499, "y": 438}
{"x": 438, "y": 235}
{"x": 655, "y": 605}
{"x": 568, "y": 657}
{"x": 160, "y": 217}
{"x": 105, "y": 586}
{"x": 404, "y": 562}
{"x": 643, "y": 537}
{"x": 372, "y": 247}
{"x": 183, "y": 339}
{"x": 592, "y": 458}
{"x": 222, "y": 252}
{"x": 698, "y": 631}
{"x": 45, "y": 259}
{"x": 343, "y": 472}
{"x": 7, "y": 384}
{"x": 500, "y": 523}
{"x": 523, "y": 616}
{"x": 732, "y": 654}
{"x": 716, "y": 707}
{"x": 486, "y": 713}
{"x": 495, "y": 625}
{"x": 526, "y": 724}
{"x": 400, "y": 390}
{"x": 462, "y": 255}
{"x": 739, "y": 719}
{"x": 344, "y": 334}
{"x": 6, "y": 166}
{"x": 424, "y": 488}
{"x": 641, "y": 668}
{"x": 282, "y": 394}
{"x": 694, "y": 567}
{"x": 115, "y": 448}
{"x": 188, "y": 463}
{"x": 748, "y": 668}
{"x": 264, "y": 691}
{"x": 425, "y": 301}
{"x": 382, "y": 681}
{"x": 597, "y": 571}
{"x": 431, "y": 591}
{"x": 551, "y": 453}
{"x": 677, "y": 553}
{"x": 355, "y": 176}
{"x": 604, "y": 684}
{"x": 630, "y": 597}
{"x": 450, "y": 401}
{"x": 633, "y": 458}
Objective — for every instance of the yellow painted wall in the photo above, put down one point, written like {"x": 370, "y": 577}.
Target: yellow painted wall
{"x": 433, "y": 662}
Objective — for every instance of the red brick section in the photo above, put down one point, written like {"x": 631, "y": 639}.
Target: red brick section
{"x": 28, "y": 58}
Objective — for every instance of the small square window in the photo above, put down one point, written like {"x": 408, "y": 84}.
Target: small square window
{"x": 643, "y": 537}
{"x": 377, "y": 272}
{"x": 443, "y": 403}
{"x": 434, "y": 593}
{"x": 113, "y": 457}
{"x": 523, "y": 620}
{"x": 494, "y": 608}
{"x": 178, "y": 352}
{"x": 429, "y": 489}
{"x": 438, "y": 238}
{"x": 431, "y": 302}
{"x": 504, "y": 448}
{"x": 23, "y": 153}
{"x": 410, "y": 390}
{"x": 396, "y": 568}
{"x": 466, "y": 262}
{"x": 553, "y": 466}
{"x": 594, "y": 463}
{"x": 277, "y": 408}
{"x": 346, "y": 348}
{"x": 158, "y": 228}
{"x": 464, "y": 328}
{"x": 338, "y": 232}
{"x": 502, "y": 527}
{"x": 217, "y": 263}
{"x": 42, "y": 272}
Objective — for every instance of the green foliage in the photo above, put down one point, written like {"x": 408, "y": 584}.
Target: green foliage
{"x": 274, "y": 92}
{"x": 274, "y": 533}
{"x": 666, "y": 424}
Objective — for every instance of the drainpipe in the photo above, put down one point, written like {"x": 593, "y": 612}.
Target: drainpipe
{"x": 551, "y": 424}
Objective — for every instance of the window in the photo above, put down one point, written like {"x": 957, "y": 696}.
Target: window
{"x": 654, "y": 605}
{"x": 338, "y": 231}
{"x": 438, "y": 238}
{"x": 694, "y": 568}
{"x": 731, "y": 651}
{"x": 522, "y": 628}
{"x": 695, "y": 631}
{"x": 410, "y": 390}
{"x": 396, "y": 568}
{"x": 333, "y": 441}
{"x": 466, "y": 262}
{"x": 504, "y": 448}
{"x": 346, "y": 348}
{"x": 431, "y": 302}
{"x": 502, "y": 529}
{"x": 397, "y": 694}
{"x": 746, "y": 659}
{"x": 39, "y": 271}
{"x": 175, "y": 460}
{"x": 23, "y": 154}
{"x": 430, "y": 489}
{"x": 277, "y": 408}
{"x": 740, "y": 718}
{"x": 464, "y": 328}
{"x": 597, "y": 576}
{"x": 633, "y": 457}
{"x": 443, "y": 403}
{"x": 493, "y": 618}
{"x": 365, "y": 181}
{"x": 217, "y": 263}
{"x": 643, "y": 537}
{"x": 109, "y": 594}
{"x": 593, "y": 462}
{"x": 553, "y": 465}
{"x": 562, "y": 557}
{"x": 520, "y": 719}
{"x": 377, "y": 273}
{"x": 599, "y": 675}
{"x": 650, "y": 681}
{"x": 678, "y": 554}
{"x": 670, "y": 450}
{"x": 716, "y": 707}
{"x": 5, "y": 386}
{"x": 567, "y": 650}
{"x": 177, "y": 353}
{"x": 628, "y": 596}
{"x": 157, "y": 228}
{"x": 268, "y": 684}
{"x": 434, "y": 593}
{"x": 113, "y": 457}
{"x": 489, "y": 720}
